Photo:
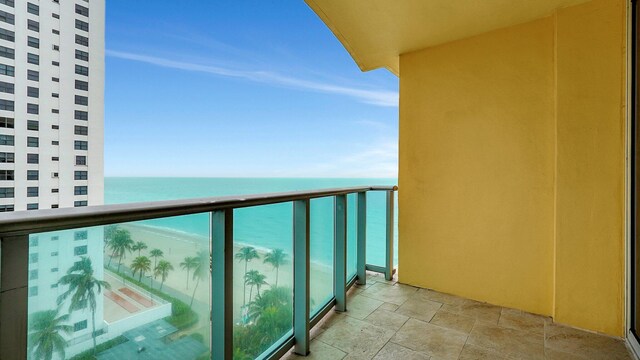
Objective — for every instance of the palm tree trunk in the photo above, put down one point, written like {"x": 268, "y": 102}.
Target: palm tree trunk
{"x": 244, "y": 288}
{"x": 187, "y": 278}
{"x": 194, "y": 293}
{"x": 140, "y": 277}
{"x": 93, "y": 325}
{"x": 110, "y": 258}
{"x": 250, "y": 292}
{"x": 277, "y": 271}
{"x": 120, "y": 262}
{"x": 162, "y": 283}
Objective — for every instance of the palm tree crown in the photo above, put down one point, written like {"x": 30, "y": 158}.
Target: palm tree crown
{"x": 189, "y": 263}
{"x": 200, "y": 270}
{"x": 155, "y": 254}
{"x": 139, "y": 246}
{"x": 44, "y": 334}
{"x": 140, "y": 264}
{"x": 254, "y": 278}
{"x": 246, "y": 254}
{"x": 276, "y": 258}
{"x": 120, "y": 244}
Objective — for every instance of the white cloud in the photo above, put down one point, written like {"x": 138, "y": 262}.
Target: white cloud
{"x": 374, "y": 97}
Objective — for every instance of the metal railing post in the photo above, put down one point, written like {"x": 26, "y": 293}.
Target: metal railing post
{"x": 301, "y": 209}
{"x": 340, "y": 253}
{"x": 388, "y": 274}
{"x": 361, "y": 233}
{"x": 14, "y": 262}
{"x": 222, "y": 284}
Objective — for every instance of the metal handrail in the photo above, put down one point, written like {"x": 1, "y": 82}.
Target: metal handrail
{"x": 28, "y": 222}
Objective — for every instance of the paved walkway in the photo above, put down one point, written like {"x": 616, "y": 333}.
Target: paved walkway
{"x": 387, "y": 320}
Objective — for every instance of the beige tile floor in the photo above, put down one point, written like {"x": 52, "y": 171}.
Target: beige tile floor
{"x": 388, "y": 320}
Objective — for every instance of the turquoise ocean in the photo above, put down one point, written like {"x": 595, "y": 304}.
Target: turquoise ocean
{"x": 265, "y": 227}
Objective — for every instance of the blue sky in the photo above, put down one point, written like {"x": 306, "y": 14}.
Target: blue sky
{"x": 240, "y": 88}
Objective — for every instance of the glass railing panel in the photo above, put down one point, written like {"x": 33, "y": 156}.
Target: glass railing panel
{"x": 352, "y": 223}
{"x": 122, "y": 291}
{"x": 376, "y": 227}
{"x": 262, "y": 278}
{"x": 321, "y": 250}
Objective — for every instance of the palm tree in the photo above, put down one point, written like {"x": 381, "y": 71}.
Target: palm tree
{"x": 44, "y": 334}
{"x": 82, "y": 289}
{"x": 254, "y": 278}
{"x": 139, "y": 246}
{"x": 246, "y": 254}
{"x": 121, "y": 244}
{"x": 276, "y": 258}
{"x": 163, "y": 269}
{"x": 200, "y": 270}
{"x": 155, "y": 254}
{"x": 189, "y": 263}
{"x": 109, "y": 231}
{"x": 140, "y": 264}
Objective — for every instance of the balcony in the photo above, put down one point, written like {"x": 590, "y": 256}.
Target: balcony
{"x": 114, "y": 281}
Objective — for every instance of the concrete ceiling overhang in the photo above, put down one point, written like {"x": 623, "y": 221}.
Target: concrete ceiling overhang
{"x": 376, "y": 32}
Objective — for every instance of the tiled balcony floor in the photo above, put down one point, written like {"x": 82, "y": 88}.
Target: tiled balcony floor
{"x": 387, "y": 320}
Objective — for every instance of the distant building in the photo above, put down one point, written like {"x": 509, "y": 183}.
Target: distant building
{"x": 51, "y": 104}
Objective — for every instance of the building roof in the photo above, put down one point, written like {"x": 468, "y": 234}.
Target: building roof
{"x": 376, "y": 32}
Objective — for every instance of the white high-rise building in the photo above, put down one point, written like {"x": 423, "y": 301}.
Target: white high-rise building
{"x": 51, "y": 103}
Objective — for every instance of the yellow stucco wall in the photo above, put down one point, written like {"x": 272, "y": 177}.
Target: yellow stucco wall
{"x": 490, "y": 207}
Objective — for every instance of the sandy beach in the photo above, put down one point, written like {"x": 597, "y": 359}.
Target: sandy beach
{"x": 176, "y": 246}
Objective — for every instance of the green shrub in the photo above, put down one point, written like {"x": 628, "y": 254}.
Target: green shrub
{"x": 199, "y": 337}
{"x": 88, "y": 355}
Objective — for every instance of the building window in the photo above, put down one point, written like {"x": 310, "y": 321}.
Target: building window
{"x": 55, "y": 63}
{"x": 80, "y": 130}
{"x": 56, "y": 48}
{"x": 54, "y": 206}
{"x": 32, "y": 175}
{"x": 82, "y": 40}
{"x": 57, "y": 32}
{"x": 55, "y": 111}
{"x": 55, "y": 158}
{"x": 55, "y": 95}
{"x": 32, "y": 191}
{"x": 33, "y": 75}
{"x": 54, "y": 269}
{"x": 33, "y": 25}
{"x": 80, "y": 175}
{"x": 7, "y": 140}
{"x": 7, "y": 52}
{"x": 34, "y": 42}
{"x": 84, "y": 11}
{"x": 33, "y": 158}
{"x": 81, "y": 145}
{"x": 33, "y": 291}
{"x": 55, "y": 16}
{"x": 80, "y": 250}
{"x": 6, "y": 122}
{"x": 81, "y": 160}
{"x": 32, "y": 125}
{"x": 55, "y": 79}
{"x": 81, "y": 115}
{"x": 82, "y": 70}
{"x": 7, "y": 35}
{"x": 6, "y": 87}
{"x": 32, "y": 141}
{"x": 55, "y": 142}
{"x": 6, "y": 192}
{"x": 33, "y": 274}
{"x": 6, "y": 208}
{"x": 7, "y": 175}
{"x": 81, "y": 25}
{"x": 7, "y": 158}
{"x": 7, "y": 2}
{"x": 81, "y": 325}
{"x": 7, "y": 17}
{"x": 32, "y": 206}
{"x": 6, "y": 105}
{"x": 33, "y": 258}
{"x": 82, "y": 55}
{"x": 33, "y": 109}
{"x": 33, "y": 9}
{"x": 7, "y": 70}
{"x": 55, "y": 127}
{"x": 80, "y": 190}
{"x": 55, "y": 191}
{"x": 80, "y": 203}
{"x": 33, "y": 92}
{"x": 55, "y": 238}
{"x": 81, "y": 100}
{"x": 81, "y": 85}
{"x": 81, "y": 235}
{"x": 33, "y": 59}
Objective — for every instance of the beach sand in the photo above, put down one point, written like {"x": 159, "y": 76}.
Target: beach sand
{"x": 176, "y": 246}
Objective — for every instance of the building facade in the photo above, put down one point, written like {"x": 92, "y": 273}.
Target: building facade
{"x": 51, "y": 104}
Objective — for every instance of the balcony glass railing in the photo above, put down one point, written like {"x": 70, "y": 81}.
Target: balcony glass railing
{"x": 249, "y": 279}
